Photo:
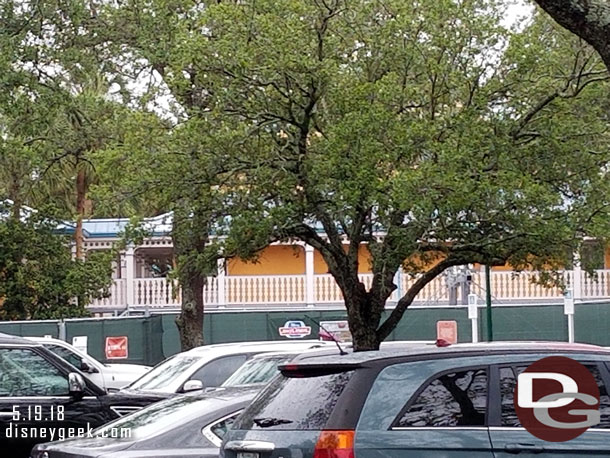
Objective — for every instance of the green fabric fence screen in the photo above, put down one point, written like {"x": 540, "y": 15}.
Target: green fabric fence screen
{"x": 153, "y": 338}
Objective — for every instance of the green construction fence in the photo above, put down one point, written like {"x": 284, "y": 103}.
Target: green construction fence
{"x": 155, "y": 337}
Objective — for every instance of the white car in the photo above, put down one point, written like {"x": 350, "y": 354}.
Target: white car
{"x": 260, "y": 369}
{"x": 209, "y": 366}
{"x": 107, "y": 376}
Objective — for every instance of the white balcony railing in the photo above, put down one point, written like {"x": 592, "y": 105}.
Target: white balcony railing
{"x": 513, "y": 286}
{"x": 117, "y": 297}
{"x": 265, "y": 289}
{"x": 506, "y": 287}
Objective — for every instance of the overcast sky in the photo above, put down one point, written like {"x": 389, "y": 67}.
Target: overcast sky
{"x": 518, "y": 9}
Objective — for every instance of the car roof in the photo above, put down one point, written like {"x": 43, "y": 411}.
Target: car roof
{"x": 255, "y": 347}
{"x": 348, "y": 348}
{"x": 276, "y": 354}
{"x": 14, "y": 340}
{"x": 423, "y": 351}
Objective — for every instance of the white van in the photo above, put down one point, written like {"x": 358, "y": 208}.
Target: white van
{"x": 107, "y": 376}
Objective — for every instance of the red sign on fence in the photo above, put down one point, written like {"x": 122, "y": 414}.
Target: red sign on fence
{"x": 116, "y": 347}
{"x": 447, "y": 331}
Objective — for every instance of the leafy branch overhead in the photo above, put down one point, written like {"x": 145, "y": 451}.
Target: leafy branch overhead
{"x": 589, "y": 19}
{"x": 462, "y": 141}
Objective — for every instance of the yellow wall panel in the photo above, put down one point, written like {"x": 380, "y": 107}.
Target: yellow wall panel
{"x": 273, "y": 260}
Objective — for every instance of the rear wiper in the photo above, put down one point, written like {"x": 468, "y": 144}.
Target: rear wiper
{"x": 268, "y": 422}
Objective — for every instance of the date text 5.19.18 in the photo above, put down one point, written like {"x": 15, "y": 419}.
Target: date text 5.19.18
{"x": 37, "y": 413}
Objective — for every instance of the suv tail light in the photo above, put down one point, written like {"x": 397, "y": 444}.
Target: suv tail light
{"x": 335, "y": 444}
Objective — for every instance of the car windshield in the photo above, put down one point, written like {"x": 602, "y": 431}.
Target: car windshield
{"x": 258, "y": 370}
{"x": 168, "y": 376}
{"x": 65, "y": 353}
{"x": 156, "y": 418}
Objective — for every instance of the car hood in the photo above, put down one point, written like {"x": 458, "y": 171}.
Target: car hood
{"x": 126, "y": 392}
{"x": 122, "y": 403}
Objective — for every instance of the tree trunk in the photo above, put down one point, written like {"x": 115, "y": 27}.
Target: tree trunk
{"x": 81, "y": 194}
{"x": 364, "y": 333}
{"x": 190, "y": 236}
{"x": 190, "y": 320}
{"x": 589, "y": 19}
{"x": 363, "y": 318}
{"x": 364, "y": 308}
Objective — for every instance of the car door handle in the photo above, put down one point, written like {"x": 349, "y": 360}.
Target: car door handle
{"x": 250, "y": 446}
{"x": 523, "y": 448}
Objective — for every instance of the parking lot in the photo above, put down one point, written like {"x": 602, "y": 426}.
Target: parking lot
{"x": 308, "y": 398}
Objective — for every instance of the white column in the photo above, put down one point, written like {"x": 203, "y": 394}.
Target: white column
{"x": 130, "y": 275}
{"x": 398, "y": 292}
{"x": 473, "y": 315}
{"x": 577, "y": 286}
{"x": 568, "y": 309}
{"x": 221, "y": 283}
{"x": 571, "y": 328}
{"x": 310, "y": 289}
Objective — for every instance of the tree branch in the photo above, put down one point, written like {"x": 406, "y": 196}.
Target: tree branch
{"x": 589, "y": 19}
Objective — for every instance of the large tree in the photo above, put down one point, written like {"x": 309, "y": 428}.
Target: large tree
{"x": 589, "y": 19}
{"x": 180, "y": 166}
{"x": 176, "y": 169}
{"x": 424, "y": 131}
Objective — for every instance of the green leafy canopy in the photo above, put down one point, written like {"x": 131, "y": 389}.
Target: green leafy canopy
{"x": 39, "y": 279}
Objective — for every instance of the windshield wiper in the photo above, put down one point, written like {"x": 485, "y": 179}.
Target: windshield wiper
{"x": 268, "y": 422}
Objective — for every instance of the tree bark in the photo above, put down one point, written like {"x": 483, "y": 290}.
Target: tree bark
{"x": 190, "y": 320}
{"x": 363, "y": 318}
{"x": 190, "y": 237}
{"x": 589, "y": 19}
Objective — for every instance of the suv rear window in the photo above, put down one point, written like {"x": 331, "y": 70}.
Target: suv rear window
{"x": 303, "y": 403}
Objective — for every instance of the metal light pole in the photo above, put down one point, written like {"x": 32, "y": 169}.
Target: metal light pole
{"x": 490, "y": 331}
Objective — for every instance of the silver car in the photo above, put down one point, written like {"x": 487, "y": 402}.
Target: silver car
{"x": 184, "y": 426}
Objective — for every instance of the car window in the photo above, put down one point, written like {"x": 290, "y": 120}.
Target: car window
{"x": 451, "y": 399}
{"x": 508, "y": 380}
{"x": 295, "y": 403}
{"x": 257, "y": 370}
{"x": 66, "y": 354}
{"x": 23, "y": 372}
{"x": 220, "y": 429}
{"x": 167, "y": 376}
{"x": 215, "y": 432}
{"x": 218, "y": 370}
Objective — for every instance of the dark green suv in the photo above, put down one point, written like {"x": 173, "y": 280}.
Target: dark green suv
{"x": 419, "y": 401}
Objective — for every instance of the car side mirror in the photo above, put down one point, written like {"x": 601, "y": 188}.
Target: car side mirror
{"x": 192, "y": 385}
{"x": 76, "y": 385}
{"x": 85, "y": 367}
